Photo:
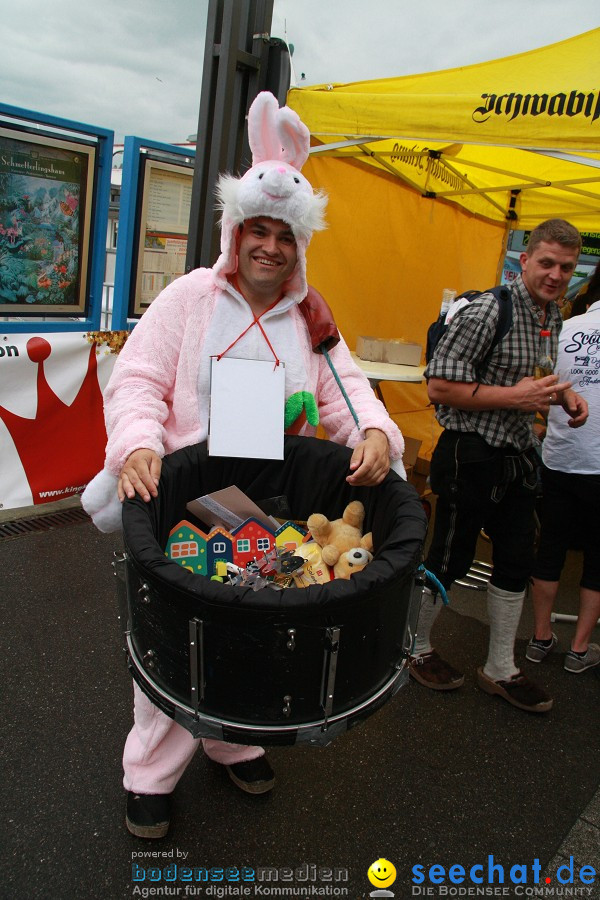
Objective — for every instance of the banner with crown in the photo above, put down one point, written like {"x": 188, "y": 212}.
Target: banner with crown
{"x": 52, "y": 435}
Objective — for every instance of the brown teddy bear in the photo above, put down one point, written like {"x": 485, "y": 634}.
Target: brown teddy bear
{"x": 351, "y": 561}
{"x": 341, "y": 535}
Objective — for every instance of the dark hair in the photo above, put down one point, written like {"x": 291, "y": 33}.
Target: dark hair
{"x": 557, "y": 231}
{"x": 580, "y": 304}
{"x": 593, "y": 292}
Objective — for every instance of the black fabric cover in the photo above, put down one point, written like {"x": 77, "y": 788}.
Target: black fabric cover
{"x": 312, "y": 476}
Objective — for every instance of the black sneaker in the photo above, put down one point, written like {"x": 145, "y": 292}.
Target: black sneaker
{"x": 148, "y": 815}
{"x": 254, "y": 777}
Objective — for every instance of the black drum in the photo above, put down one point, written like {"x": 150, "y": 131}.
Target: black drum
{"x": 266, "y": 666}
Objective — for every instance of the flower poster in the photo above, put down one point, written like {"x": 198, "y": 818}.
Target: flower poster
{"x": 45, "y": 219}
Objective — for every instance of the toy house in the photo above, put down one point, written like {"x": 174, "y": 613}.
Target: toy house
{"x": 289, "y": 536}
{"x": 219, "y": 548}
{"x": 187, "y": 545}
{"x": 251, "y": 541}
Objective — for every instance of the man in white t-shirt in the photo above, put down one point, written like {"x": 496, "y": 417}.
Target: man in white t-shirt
{"x": 571, "y": 491}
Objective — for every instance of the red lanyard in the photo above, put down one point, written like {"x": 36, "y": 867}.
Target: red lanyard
{"x": 255, "y": 321}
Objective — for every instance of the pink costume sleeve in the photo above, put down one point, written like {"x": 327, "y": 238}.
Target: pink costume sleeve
{"x": 151, "y": 398}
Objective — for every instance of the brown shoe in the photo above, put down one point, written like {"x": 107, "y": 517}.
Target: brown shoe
{"x": 518, "y": 690}
{"x": 434, "y": 672}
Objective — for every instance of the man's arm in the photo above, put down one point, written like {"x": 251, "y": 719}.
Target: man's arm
{"x": 370, "y": 461}
{"x": 529, "y": 394}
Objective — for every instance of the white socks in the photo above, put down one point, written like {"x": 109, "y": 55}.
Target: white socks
{"x": 504, "y": 611}
{"x": 428, "y": 613}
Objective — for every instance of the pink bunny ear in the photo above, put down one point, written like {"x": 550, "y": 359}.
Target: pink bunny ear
{"x": 276, "y": 134}
{"x": 262, "y": 130}
{"x": 294, "y": 137}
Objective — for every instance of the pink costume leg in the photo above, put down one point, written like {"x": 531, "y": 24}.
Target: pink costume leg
{"x": 158, "y": 750}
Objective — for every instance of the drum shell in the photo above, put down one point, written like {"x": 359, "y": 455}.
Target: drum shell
{"x": 268, "y": 666}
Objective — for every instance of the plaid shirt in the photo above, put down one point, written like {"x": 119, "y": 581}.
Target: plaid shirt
{"x": 460, "y": 356}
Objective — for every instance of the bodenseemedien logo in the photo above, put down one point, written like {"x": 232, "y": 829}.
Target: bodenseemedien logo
{"x": 381, "y": 874}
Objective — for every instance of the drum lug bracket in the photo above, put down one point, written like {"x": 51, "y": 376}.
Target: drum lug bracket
{"x": 119, "y": 566}
{"x": 410, "y": 631}
{"x": 330, "y": 658}
{"x": 197, "y": 682}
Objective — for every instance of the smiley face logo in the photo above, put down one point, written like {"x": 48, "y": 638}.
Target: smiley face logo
{"x": 381, "y": 873}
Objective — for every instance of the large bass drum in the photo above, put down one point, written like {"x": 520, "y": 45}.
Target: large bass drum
{"x": 266, "y": 666}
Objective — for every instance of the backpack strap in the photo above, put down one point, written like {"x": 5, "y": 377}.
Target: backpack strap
{"x": 503, "y": 298}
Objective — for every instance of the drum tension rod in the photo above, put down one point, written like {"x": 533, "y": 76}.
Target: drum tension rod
{"x": 332, "y": 647}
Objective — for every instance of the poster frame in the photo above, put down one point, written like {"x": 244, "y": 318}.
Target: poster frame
{"x": 136, "y": 152}
{"x": 56, "y": 131}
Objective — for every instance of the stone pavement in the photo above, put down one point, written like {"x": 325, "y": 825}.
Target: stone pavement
{"x": 431, "y": 778}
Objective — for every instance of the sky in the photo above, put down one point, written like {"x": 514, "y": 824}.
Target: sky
{"x": 136, "y": 67}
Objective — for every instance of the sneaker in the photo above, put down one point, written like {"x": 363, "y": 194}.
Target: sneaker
{"x": 518, "y": 690}
{"x": 148, "y": 815}
{"x": 579, "y": 662}
{"x": 539, "y": 650}
{"x": 254, "y": 777}
{"x": 433, "y": 672}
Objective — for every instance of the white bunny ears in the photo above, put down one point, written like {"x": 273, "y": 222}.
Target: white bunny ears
{"x": 274, "y": 186}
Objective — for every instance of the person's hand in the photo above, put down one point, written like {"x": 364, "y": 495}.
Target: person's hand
{"x": 140, "y": 473}
{"x": 537, "y": 394}
{"x": 370, "y": 461}
{"x": 575, "y": 406}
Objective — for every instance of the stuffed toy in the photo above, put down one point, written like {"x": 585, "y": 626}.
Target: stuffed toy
{"x": 341, "y": 535}
{"x": 351, "y": 561}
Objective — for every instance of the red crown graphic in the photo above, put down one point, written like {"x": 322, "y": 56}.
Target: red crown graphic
{"x": 63, "y": 447}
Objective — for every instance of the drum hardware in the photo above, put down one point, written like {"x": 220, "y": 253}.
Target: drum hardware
{"x": 197, "y": 682}
{"x": 287, "y": 709}
{"x": 120, "y": 571}
{"x": 329, "y": 669}
{"x": 291, "y": 644}
{"x": 148, "y": 659}
{"x": 410, "y": 632}
{"x": 143, "y": 593}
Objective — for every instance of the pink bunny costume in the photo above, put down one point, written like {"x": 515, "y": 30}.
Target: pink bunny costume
{"x": 158, "y": 395}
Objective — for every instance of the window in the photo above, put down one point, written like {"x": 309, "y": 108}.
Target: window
{"x": 263, "y": 544}
{"x": 219, "y": 547}
{"x": 184, "y": 549}
{"x": 243, "y": 546}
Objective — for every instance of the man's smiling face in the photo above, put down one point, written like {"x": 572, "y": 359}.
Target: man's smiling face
{"x": 267, "y": 257}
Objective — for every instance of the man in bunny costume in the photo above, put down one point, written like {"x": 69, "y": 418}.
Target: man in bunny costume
{"x": 157, "y": 400}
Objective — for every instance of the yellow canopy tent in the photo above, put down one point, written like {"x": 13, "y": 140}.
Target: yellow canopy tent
{"x": 426, "y": 174}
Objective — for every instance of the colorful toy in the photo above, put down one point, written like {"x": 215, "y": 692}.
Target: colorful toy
{"x": 341, "y": 535}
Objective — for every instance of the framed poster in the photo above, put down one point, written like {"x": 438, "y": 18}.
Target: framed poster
{"x": 46, "y": 190}
{"x": 166, "y": 196}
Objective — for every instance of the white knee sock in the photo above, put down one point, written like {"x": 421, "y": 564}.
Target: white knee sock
{"x": 428, "y": 613}
{"x": 504, "y": 611}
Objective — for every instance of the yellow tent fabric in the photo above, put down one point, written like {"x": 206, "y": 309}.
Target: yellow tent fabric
{"x": 427, "y": 173}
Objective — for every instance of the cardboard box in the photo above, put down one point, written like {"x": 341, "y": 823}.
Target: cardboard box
{"x": 370, "y": 348}
{"x": 420, "y": 482}
{"x": 396, "y": 352}
{"x": 402, "y": 353}
{"x": 422, "y": 465}
{"x": 411, "y": 451}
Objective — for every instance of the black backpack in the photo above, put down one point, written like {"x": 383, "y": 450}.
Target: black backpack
{"x": 438, "y": 329}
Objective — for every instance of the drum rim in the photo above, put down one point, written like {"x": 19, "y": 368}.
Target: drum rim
{"x": 260, "y": 729}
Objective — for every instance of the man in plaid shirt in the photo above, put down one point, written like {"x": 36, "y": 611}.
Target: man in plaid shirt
{"x": 484, "y": 468}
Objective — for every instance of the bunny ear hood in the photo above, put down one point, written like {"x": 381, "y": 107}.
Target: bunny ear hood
{"x": 273, "y": 187}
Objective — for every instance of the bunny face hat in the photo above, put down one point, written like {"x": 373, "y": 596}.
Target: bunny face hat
{"x": 273, "y": 187}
